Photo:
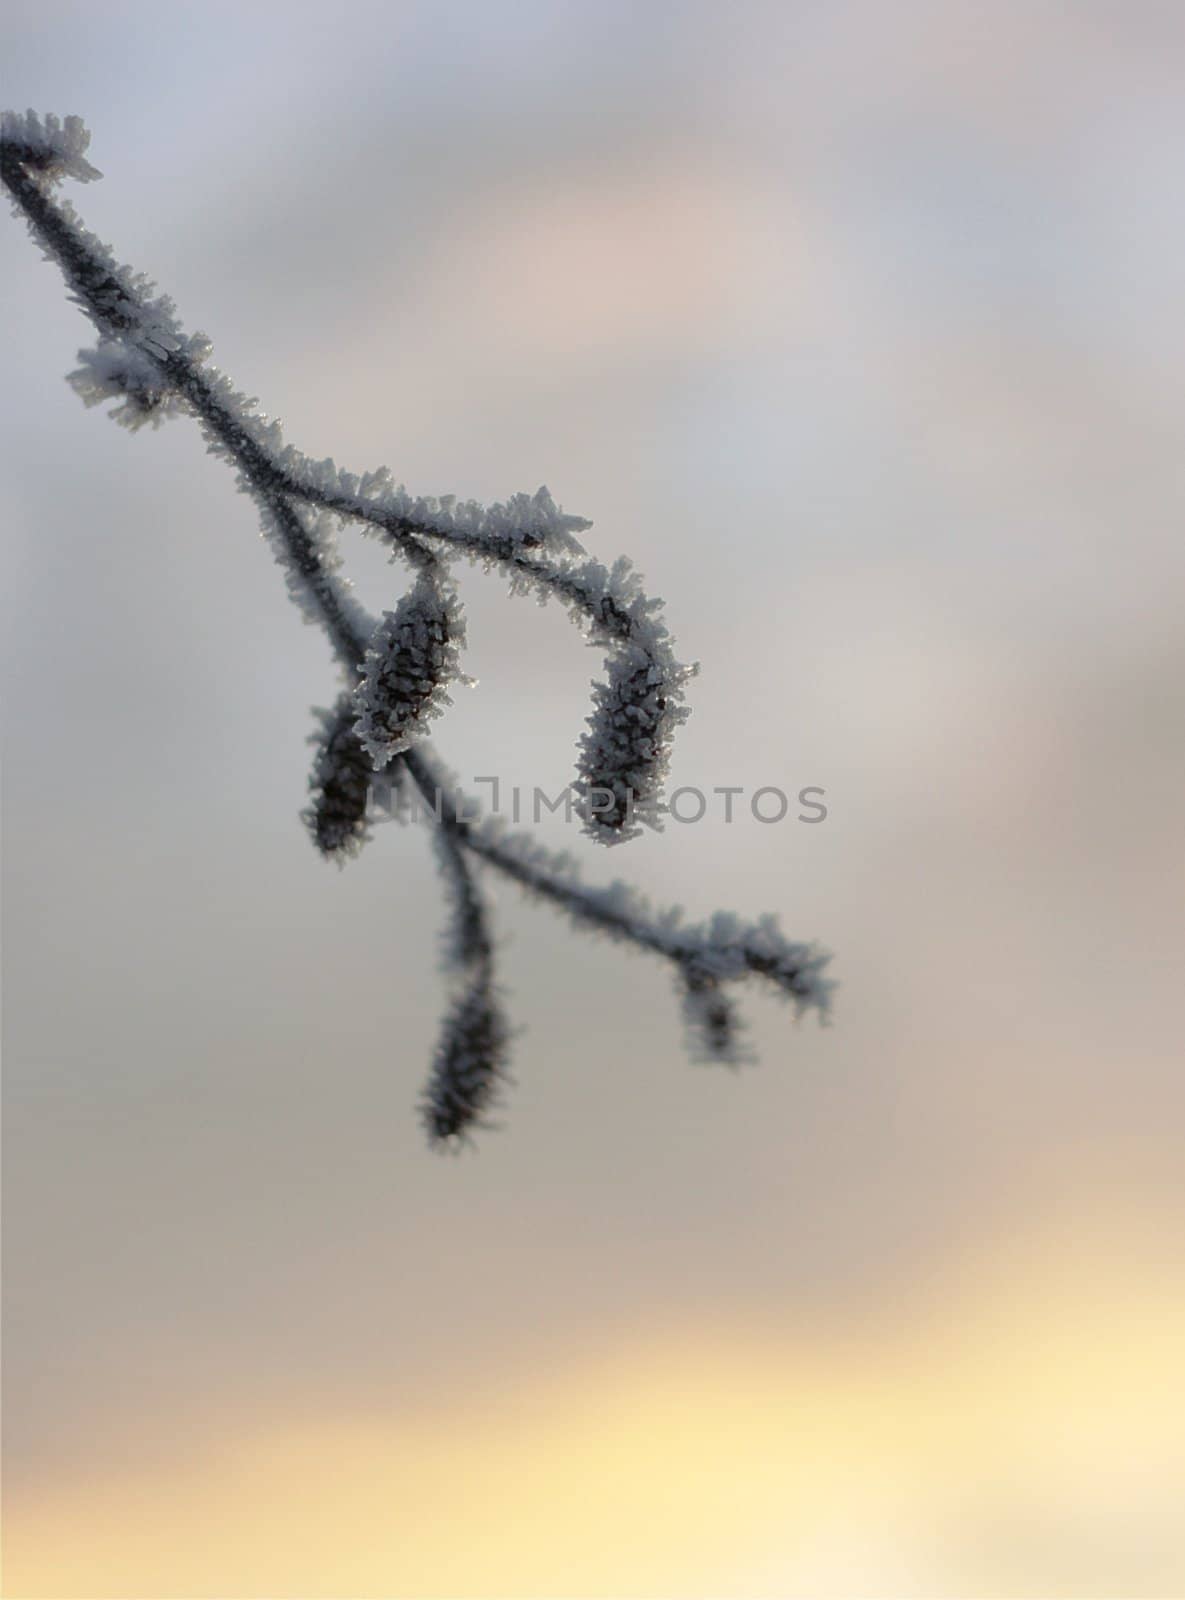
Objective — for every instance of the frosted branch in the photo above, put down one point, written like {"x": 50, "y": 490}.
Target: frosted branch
{"x": 397, "y": 670}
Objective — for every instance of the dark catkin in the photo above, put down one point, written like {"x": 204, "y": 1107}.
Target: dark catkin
{"x": 339, "y": 785}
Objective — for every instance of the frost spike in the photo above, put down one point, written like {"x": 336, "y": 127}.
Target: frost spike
{"x": 53, "y": 148}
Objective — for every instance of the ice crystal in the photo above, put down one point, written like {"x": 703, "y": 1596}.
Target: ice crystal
{"x": 114, "y": 370}
{"x": 52, "y": 148}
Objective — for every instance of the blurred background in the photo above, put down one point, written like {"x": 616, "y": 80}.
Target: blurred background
{"x": 858, "y": 327}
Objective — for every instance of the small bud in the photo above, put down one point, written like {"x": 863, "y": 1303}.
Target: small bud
{"x": 713, "y": 1027}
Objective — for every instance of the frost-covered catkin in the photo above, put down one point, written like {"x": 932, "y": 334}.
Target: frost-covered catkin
{"x": 412, "y": 657}
{"x": 340, "y": 786}
{"x": 625, "y": 755}
{"x": 470, "y": 1065}
{"x": 471, "y": 1059}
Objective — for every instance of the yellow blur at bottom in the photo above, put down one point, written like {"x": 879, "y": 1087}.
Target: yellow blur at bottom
{"x": 1018, "y": 1427}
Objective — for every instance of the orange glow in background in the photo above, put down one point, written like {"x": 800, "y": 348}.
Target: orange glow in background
{"x": 1019, "y": 1423}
